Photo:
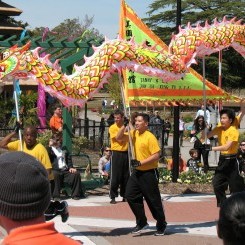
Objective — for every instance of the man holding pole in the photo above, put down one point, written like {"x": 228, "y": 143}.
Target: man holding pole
{"x": 143, "y": 182}
{"x": 227, "y": 172}
{"x": 119, "y": 159}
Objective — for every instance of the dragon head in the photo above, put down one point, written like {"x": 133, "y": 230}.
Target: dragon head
{"x": 11, "y": 60}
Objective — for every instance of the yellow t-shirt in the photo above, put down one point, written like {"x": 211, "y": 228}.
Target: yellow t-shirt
{"x": 115, "y": 145}
{"x": 230, "y": 134}
{"x": 38, "y": 151}
{"x": 145, "y": 145}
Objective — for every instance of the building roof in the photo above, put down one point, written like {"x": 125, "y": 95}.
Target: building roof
{"x": 8, "y": 10}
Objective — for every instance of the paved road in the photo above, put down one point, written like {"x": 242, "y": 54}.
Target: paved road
{"x": 191, "y": 220}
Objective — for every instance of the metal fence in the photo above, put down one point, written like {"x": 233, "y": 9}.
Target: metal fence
{"x": 97, "y": 133}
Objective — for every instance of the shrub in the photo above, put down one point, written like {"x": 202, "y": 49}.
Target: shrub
{"x": 78, "y": 143}
{"x": 242, "y": 137}
{"x": 44, "y": 137}
{"x": 188, "y": 118}
{"x": 189, "y": 177}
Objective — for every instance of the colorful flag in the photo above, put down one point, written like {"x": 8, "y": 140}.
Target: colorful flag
{"x": 142, "y": 89}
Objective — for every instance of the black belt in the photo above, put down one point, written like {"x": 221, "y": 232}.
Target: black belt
{"x": 228, "y": 156}
{"x": 120, "y": 151}
{"x": 144, "y": 171}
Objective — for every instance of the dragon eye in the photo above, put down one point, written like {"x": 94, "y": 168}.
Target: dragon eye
{"x": 5, "y": 54}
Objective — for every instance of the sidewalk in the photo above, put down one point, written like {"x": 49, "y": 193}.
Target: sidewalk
{"x": 191, "y": 220}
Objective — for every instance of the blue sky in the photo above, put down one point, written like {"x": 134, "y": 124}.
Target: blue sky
{"x": 50, "y": 13}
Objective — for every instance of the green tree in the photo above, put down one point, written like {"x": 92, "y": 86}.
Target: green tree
{"x": 162, "y": 19}
{"x": 113, "y": 87}
{"x": 72, "y": 29}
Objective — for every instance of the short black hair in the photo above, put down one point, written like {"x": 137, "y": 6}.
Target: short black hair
{"x": 230, "y": 113}
{"x": 231, "y": 223}
{"x": 118, "y": 112}
{"x": 192, "y": 151}
{"x": 145, "y": 116}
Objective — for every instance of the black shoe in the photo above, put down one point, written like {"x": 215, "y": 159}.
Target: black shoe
{"x": 138, "y": 228}
{"x": 51, "y": 212}
{"x": 63, "y": 211}
{"x": 160, "y": 232}
{"x": 76, "y": 198}
{"x": 124, "y": 200}
{"x": 113, "y": 201}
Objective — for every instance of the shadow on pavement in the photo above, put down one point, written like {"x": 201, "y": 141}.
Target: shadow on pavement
{"x": 183, "y": 228}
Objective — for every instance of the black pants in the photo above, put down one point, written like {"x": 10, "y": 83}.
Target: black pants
{"x": 119, "y": 173}
{"x": 166, "y": 135}
{"x": 202, "y": 152}
{"x": 181, "y": 136}
{"x": 144, "y": 184}
{"x": 227, "y": 174}
{"x": 72, "y": 179}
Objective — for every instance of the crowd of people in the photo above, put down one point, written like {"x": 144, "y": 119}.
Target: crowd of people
{"x": 142, "y": 182}
{"x": 130, "y": 166}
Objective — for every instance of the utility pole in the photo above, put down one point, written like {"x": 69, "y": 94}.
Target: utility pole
{"x": 176, "y": 146}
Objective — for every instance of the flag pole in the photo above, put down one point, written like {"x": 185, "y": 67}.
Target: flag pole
{"x": 131, "y": 147}
{"x": 220, "y": 77}
{"x": 204, "y": 94}
{"x": 17, "y": 113}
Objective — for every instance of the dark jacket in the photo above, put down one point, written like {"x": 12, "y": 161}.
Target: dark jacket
{"x": 54, "y": 160}
{"x": 167, "y": 126}
{"x": 241, "y": 160}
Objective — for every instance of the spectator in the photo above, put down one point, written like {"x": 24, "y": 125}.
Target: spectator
{"x": 102, "y": 131}
{"x": 182, "y": 164}
{"x": 24, "y": 197}
{"x": 201, "y": 112}
{"x": 181, "y": 130}
{"x": 63, "y": 170}
{"x": 157, "y": 123}
{"x": 231, "y": 223}
{"x": 196, "y": 132}
{"x": 194, "y": 164}
{"x": 104, "y": 164}
{"x": 167, "y": 128}
{"x": 226, "y": 172}
{"x": 56, "y": 121}
{"x": 112, "y": 104}
{"x": 241, "y": 158}
{"x": 151, "y": 115}
{"x": 104, "y": 104}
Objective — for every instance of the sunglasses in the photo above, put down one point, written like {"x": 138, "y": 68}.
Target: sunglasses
{"x": 107, "y": 150}
{"x": 242, "y": 145}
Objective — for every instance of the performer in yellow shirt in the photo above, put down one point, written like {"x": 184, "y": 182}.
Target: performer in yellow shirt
{"x": 119, "y": 159}
{"x": 227, "y": 172}
{"x": 37, "y": 150}
{"x": 143, "y": 182}
{"x": 30, "y": 146}
{"x": 238, "y": 118}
